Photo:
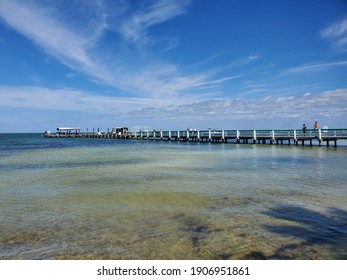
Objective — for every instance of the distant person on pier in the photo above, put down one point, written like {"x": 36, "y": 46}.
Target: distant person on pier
{"x": 304, "y": 128}
{"x": 315, "y": 127}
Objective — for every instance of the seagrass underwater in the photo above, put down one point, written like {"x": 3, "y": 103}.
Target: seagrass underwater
{"x": 137, "y": 200}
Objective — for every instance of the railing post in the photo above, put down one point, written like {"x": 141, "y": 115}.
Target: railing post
{"x": 161, "y": 134}
{"x": 188, "y": 134}
{"x": 254, "y": 135}
{"x": 209, "y": 135}
{"x": 169, "y": 134}
{"x": 320, "y": 134}
{"x": 223, "y": 135}
{"x": 198, "y": 135}
{"x": 273, "y": 136}
{"x": 238, "y": 135}
{"x": 294, "y": 136}
{"x": 178, "y": 135}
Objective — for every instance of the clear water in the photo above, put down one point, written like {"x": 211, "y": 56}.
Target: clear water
{"x": 132, "y": 199}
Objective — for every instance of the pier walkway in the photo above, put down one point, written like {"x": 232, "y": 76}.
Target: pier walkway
{"x": 279, "y": 137}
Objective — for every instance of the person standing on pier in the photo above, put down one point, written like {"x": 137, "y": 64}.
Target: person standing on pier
{"x": 315, "y": 127}
{"x": 304, "y": 128}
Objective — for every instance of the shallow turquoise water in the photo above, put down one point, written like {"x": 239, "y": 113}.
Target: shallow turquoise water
{"x": 129, "y": 199}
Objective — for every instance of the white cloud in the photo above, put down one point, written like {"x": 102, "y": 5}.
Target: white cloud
{"x": 336, "y": 34}
{"x": 39, "y": 24}
{"x": 314, "y": 67}
{"x": 79, "y": 101}
{"x": 75, "y": 41}
{"x": 330, "y": 104}
{"x": 61, "y": 99}
{"x": 135, "y": 28}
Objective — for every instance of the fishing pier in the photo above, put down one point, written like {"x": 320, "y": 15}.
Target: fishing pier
{"x": 279, "y": 137}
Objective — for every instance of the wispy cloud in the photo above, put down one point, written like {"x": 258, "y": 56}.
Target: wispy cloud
{"x": 39, "y": 24}
{"x": 336, "y": 34}
{"x": 313, "y": 67}
{"x": 80, "y": 101}
{"x": 329, "y": 104}
{"x": 77, "y": 45}
{"x": 135, "y": 28}
{"x": 328, "y": 107}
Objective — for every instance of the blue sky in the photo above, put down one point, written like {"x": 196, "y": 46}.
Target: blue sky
{"x": 172, "y": 64}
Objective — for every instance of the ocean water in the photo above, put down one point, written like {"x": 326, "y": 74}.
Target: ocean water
{"x": 133, "y": 199}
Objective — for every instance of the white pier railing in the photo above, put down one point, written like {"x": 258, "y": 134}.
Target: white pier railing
{"x": 294, "y": 136}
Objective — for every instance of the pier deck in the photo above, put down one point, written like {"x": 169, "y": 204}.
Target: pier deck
{"x": 279, "y": 137}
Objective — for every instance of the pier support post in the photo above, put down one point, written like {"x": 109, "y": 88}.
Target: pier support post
{"x": 295, "y": 139}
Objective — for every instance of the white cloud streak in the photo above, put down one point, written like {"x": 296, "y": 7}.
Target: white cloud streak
{"x": 135, "y": 28}
{"x": 39, "y": 24}
{"x": 330, "y": 104}
{"x": 313, "y": 67}
{"x": 79, "y": 101}
{"x": 336, "y": 34}
{"x": 77, "y": 45}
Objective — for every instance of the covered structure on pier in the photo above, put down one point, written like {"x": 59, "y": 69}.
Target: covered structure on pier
{"x": 120, "y": 131}
{"x": 68, "y": 130}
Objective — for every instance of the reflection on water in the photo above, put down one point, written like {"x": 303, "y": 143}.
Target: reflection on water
{"x": 114, "y": 199}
